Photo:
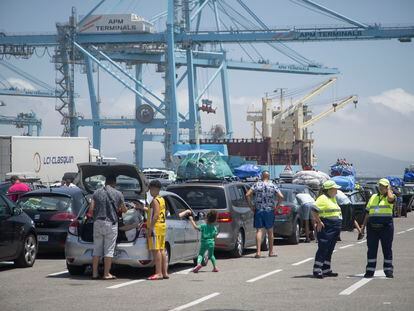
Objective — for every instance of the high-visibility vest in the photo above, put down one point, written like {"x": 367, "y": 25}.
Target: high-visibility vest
{"x": 378, "y": 206}
{"x": 328, "y": 208}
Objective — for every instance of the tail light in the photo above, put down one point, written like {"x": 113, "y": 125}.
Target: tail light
{"x": 74, "y": 227}
{"x": 224, "y": 217}
{"x": 283, "y": 210}
{"x": 142, "y": 231}
{"x": 63, "y": 217}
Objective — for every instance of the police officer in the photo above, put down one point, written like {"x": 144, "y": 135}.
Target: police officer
{"x": 380, "y": 227}
{"x": 328, "y": 222}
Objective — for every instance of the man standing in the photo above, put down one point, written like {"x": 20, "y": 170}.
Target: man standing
{"x": 264, "y": 192}
{"x": 17, "y": 188}
{"x": 106, "y": 204}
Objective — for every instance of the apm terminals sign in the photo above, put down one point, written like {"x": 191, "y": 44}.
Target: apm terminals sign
{"x": 50, "y": 160}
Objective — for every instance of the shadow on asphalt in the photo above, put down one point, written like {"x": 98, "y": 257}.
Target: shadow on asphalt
{"x": 306, "y": 276}
{"x": 51, "y": 255}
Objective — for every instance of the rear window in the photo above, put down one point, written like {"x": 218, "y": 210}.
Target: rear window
{"x": 46, "y": 203}
{"x": 287, "y": 195}
{"x": 202, "y": 197}
{"x": 408, "y": 190}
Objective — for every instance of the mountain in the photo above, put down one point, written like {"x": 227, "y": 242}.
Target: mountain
{"x": 367, "y": 164}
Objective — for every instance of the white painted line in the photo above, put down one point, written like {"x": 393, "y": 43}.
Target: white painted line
{"x": 355, "y": 286}
{"x": 346, "y": 246}
{"x": 301, "y": 262}
{"x": 335, "y": 250}
{"x": 125, "y": 284}
{"x": 263, "y": 276}
{"x": 58, "y": 273}
{"x": 401, "y": 232}
{"x": 186, "y": 271}
{"x": 411, "y": 229}
{"x": 361, "y": 242}
{"x": 195, "y": 302}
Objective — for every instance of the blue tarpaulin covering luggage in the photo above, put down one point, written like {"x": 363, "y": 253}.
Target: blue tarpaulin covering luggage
{"x": 395, "y": 181}
{"x": 342, "y": 170}
{"x": 409, "y": 177}
{"x": 247, "y": 170}
{"x": 347, "y": 183}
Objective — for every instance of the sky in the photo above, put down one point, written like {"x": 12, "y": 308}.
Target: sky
{"x": 379, "y": 72}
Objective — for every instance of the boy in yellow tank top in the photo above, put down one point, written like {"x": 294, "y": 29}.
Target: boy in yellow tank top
{"x": 156, "y": 231}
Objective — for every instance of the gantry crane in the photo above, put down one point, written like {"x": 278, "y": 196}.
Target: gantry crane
{"x": 22, "y": 120}
{"x": 181, "y": 43}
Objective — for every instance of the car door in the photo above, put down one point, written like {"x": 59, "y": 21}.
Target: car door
{"x": 8, "y": 238}
{"x": 175, "y": 230}
{"x": 246, "y": 214}
{"x": 358, "y": 207}
{"x": 191, "y": 235}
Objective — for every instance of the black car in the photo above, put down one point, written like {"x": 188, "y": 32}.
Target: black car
{"x": 287, "y": 217}
{"x": 18, "y": 239}
{"x": 407, "y": 194}
{"x": 353, "y": 210}
{"x": 52, "y": 210}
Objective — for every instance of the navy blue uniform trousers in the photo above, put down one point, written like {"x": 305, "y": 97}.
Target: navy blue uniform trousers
{"x": 326, "y": 244}
{"x": 376, "y": 233}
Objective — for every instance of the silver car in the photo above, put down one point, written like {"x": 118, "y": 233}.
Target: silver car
{"x": 182, "y": 241}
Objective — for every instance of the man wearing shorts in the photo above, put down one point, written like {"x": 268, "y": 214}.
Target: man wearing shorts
{"x": 106, "y": 204}
{"x": 156, "y": 231}
{"x": 264, "y": 193}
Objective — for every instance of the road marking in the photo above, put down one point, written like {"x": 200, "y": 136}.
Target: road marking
{"x": 379, "y": 274}
{"x": 58, "y": 273}
{"x": 346, "y": 246}
{"x": 335, "y": 250}
{"x": 411, "y": 229}
{"x": 363, "y": 241}
{"x": 186, "y": 271}
{"x": 125, "y": 284}
{"x": 195, "y": 302}
{"x": 263, "y": 276}
{"x": 301, "y": 262}
{"x": 401, "y": 232}
{"x": 355, "y": 286}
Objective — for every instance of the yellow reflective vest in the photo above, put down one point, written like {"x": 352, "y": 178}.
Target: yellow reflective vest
{"x": 378, "y": 206}
{"x": 328, "y": 208}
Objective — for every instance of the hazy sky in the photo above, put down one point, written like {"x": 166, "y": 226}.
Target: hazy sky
{"x": 379, "y": 72}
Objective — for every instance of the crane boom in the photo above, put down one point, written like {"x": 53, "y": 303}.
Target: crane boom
{"x": 334, "y": 108}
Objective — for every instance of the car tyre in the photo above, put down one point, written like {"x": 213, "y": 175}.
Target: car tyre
{"x": 238, "y": 249}
{"x": 28, "y": 254}
{"x": 295, "y": 237}
{"x": 75, "y": 270}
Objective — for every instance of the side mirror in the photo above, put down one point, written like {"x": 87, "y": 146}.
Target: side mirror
{"x": 16, "y": 211}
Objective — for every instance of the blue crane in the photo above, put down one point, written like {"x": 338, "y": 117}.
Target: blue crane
{"x": 182, "y": 43}
{"x": 22, "y": 120}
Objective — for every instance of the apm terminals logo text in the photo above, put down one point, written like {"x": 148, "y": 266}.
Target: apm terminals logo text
{"x": 51, "y": 160}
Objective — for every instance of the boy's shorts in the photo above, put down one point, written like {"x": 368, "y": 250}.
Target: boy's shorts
{"x": 264, "y": 219}
{"x": 156, "y": 242}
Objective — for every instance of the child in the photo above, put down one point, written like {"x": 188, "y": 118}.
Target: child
{"x": 208, "y": 234}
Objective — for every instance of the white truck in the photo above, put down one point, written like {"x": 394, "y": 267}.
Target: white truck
{"x": 47, "y": 158}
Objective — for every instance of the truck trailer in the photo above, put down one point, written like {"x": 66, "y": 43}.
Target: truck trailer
{"x": 47, "y": 158}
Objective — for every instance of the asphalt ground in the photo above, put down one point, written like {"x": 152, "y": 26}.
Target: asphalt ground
{"x": 280, "y": 283}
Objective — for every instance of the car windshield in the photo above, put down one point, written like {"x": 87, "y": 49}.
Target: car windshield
{"x": 46, "y": 203}
{"x": 408, "y": 190}
{"x": 202, "y": 197}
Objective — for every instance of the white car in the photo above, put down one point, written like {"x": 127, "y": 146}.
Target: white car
{"x": 182, "y": 241}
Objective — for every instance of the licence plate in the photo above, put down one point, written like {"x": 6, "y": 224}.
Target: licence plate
{"x": 43, "y": 238}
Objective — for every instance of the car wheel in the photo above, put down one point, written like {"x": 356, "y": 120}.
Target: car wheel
{"x": 28, "y": 254}
{"x": 238, "y": 249}
{"x": 265, "y": 243}
{"x": 75, "y": 270}
{"x": 295, "y": 237}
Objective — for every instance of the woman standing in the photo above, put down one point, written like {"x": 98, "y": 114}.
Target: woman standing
{"x": 380, "y": 227}
{"x": 328, "y": 221}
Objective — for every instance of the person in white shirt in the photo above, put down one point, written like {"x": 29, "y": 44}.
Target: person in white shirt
{"x": 306, "y": 203}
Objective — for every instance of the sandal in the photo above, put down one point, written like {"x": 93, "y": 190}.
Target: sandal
{"x": 154, "y": 278}
{"x": 257, "y": 256}
{"x": 112, "y": 277}
{"x": 95, "y": 277}
{"x": 272, "y": 255}
{"x": 166, "y": 277}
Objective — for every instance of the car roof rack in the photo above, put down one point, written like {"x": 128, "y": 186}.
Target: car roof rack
{"x": 200, "y": 180}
